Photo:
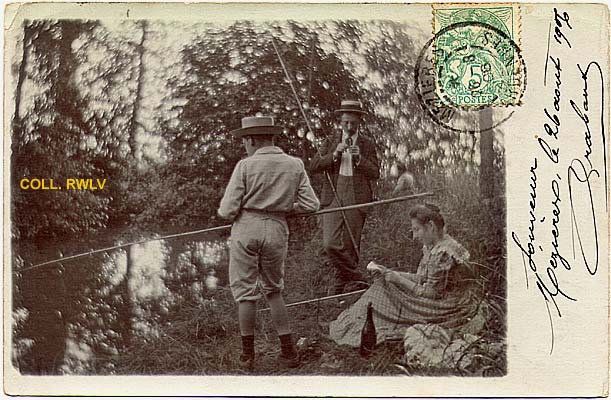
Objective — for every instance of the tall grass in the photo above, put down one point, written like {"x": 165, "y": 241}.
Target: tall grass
{"x": 203, "y": 338}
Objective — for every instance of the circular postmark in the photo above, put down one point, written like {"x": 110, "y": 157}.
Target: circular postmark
{"x": 466, "y": 69}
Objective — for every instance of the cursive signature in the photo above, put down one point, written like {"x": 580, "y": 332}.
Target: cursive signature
{"x": 582, "y": 171}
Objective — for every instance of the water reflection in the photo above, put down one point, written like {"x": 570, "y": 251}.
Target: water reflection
{"x": 91, "y": 309}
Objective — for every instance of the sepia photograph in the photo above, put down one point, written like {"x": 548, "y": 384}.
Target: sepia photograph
{"x": 234, "y": 193}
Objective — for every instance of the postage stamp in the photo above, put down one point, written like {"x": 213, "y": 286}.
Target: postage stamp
{"x": 443, "y": 88}
{"x": 476, "y": 54}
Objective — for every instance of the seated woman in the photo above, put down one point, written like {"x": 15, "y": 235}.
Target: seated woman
{"x": 435, "y": 294}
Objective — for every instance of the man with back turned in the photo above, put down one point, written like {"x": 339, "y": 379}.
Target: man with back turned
{"x": 264, "y": 188}
{"x": 350, "y": 160}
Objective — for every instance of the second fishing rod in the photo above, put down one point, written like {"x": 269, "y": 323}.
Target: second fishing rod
{"x": 326, "y": 173}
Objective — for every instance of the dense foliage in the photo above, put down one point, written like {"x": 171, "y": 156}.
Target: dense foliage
{"x": 148, "y": 105}
{"x": 99, "y": 100}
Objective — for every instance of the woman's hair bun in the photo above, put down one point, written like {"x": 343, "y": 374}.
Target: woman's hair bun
{"x": 427, "y": 212}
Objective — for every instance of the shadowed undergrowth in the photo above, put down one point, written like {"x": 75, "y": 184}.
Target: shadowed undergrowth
{"x": 203, "y": 337}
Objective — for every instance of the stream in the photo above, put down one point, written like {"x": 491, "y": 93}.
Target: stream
{"x": 75, "y": 317}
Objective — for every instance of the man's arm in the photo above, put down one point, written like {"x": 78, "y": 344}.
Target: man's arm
{"x": 234, "y": 193}
{"x": 323, "y": 159}
{"x": 368, "y": 164}
{"x": 306, "y": 200}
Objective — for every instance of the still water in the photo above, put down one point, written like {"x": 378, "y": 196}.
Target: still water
{"x": 75, "y": 317}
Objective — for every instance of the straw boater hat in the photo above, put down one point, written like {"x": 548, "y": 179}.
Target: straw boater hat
{"x": 351, "y": 106}
{"x": 257, "y": 126}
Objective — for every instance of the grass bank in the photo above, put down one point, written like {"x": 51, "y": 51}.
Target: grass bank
{"x": 203, "y": 337}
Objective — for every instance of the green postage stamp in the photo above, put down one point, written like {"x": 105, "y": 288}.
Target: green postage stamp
{"x": 477, "y": 54}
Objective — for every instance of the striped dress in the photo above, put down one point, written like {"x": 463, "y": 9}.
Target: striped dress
{"x": 438, "y": 296}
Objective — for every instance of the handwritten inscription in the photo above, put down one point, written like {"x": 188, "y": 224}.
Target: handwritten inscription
{"x": 577, "y": 173}
{"x": 582, "y": 170}
{"x": 561, "y": 21}
{"x": 553, "y": 129}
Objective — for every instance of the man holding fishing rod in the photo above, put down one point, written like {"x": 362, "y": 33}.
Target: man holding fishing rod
{"x": 349, "y": 158}
{"x": 264, "y": 189}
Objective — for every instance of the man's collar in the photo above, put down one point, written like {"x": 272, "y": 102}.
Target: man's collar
{"x": 354, "y": 137}
{"x": 269, "y": 150}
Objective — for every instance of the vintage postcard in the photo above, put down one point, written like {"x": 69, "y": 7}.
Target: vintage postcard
{"x": 356, "y": 200}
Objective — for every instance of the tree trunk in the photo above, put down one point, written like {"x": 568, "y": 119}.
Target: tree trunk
{"x": 27, "y": 34}
{"x": 43, "y": 295}
{"x": 135, "y": 122}
{"x": 66, "y": 96}
{"x": 486, "y": 168}
{"x": 128, "y": 303}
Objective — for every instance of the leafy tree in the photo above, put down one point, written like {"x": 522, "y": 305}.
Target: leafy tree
{"x": 229, "y": 74}
{"x": 63, "y": 127}
{"x": 105, "y": 100}
{"x": 50, "y": 137}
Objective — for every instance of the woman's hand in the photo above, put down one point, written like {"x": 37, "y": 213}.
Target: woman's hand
{"x": 405, "y": 279}
{"x": 376, "y": 270}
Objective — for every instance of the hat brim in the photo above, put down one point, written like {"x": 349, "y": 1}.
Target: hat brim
{"x": 350, "y": 110}
{"x": 258, "y": 130}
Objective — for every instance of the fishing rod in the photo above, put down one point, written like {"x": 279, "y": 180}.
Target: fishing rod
{"x": 319, "y": 299}
{"x": 370, "y": 204}
{"x": 223, "y": 227}
{"x": 119, "y": 246}
{"x": 303, "y": 114}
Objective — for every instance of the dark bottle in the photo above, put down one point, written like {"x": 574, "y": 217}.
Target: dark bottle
{"x": 368, "y": 334}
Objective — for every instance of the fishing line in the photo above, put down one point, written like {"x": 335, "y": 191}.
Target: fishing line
{"x": 223, "y": 227}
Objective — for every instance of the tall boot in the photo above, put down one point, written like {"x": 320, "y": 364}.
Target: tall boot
{"x": 289, "y": 358}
